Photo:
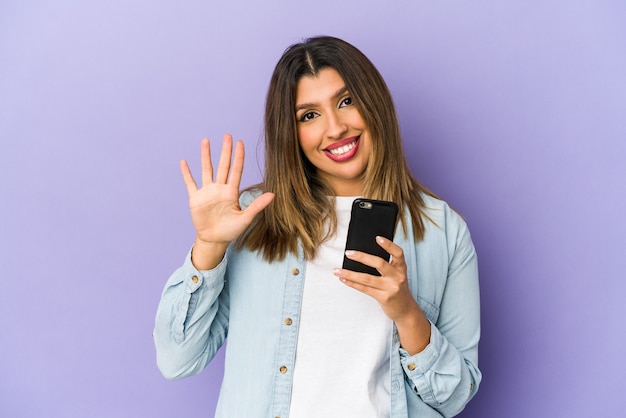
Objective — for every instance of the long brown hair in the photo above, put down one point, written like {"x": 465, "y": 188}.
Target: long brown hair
{"x": 300, "y": 211}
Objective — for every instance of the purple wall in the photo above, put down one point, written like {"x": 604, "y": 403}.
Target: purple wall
{"x": 514, "y": 113}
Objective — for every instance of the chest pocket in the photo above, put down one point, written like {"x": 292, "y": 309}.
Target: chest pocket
{"x": 425, "y": 294}
{"x": 430, "y": 310}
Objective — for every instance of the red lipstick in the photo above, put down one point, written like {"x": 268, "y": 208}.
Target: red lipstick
{"x": 343, "y": 150}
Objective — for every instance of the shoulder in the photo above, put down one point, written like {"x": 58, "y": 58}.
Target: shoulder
{"x": 445, "y": 222}
{"x": 447, "y": 226}
{"x": 441, "y": 214}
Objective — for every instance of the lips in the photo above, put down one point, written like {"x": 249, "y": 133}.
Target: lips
{"x": 343, "y": 150}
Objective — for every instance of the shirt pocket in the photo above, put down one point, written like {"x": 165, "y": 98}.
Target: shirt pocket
{"x": 430, "y": 309}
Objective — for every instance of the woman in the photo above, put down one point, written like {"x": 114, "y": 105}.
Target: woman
{"x": 305, "y": 337}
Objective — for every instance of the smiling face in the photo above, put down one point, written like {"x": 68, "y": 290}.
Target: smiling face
{"x": 331, "y": 132}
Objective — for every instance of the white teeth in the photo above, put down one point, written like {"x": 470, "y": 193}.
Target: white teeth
{"x": 342, "y": 150}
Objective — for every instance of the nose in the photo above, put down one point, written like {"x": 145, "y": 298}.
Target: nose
{"x": 336, "y": 127}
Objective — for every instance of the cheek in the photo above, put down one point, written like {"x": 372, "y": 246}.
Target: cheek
{"x": 306, "y": 139}
{"x": 356, "y": 120}
{"x": 302, "y": 139}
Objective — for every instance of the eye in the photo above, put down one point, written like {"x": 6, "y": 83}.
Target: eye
{"x": 346, "y": 101}
{"x": 307, "y": 116}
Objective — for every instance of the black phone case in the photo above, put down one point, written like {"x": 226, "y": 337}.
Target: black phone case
{"x": 369, "y": 219}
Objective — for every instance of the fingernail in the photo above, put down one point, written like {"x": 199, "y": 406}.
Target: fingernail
{"x": 380, "y": 240}
{"x": 337, "y": 272}
{"x": 349, "y": 253}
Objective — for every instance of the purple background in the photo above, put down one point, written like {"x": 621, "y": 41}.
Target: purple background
{"x": 513, "y": 112}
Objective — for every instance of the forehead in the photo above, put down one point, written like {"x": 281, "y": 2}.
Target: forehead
{"x": 319, "y": 88}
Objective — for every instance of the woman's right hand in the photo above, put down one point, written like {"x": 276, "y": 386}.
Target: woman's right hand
{"x": 215, "y": 211}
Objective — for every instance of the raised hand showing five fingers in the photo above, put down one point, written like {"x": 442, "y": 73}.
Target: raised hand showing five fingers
{"x": 215, "y": 212}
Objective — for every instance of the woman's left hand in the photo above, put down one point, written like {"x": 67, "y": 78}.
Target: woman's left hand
{"x": 391, "y": 291}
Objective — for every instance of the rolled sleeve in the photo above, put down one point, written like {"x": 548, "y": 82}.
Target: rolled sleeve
{"x": 193, "y": 281}
{"x": 191, "y": 321}
{"x": 436, "y": 372}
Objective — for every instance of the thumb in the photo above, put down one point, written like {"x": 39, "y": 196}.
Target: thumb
{"x": 258, "y": 205}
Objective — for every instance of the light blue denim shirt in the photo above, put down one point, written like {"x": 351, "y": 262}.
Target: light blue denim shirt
{"x": 256, "y": 305}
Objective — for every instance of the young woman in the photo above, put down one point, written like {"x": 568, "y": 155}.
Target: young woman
{"x": 305, "y": 337}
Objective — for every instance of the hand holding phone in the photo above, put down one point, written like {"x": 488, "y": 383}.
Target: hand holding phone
{"x": 369, "y": 219}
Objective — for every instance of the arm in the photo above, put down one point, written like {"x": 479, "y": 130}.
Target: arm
{"x": 192, "y": 318}
{"x": 439, "y": 360}
{"x": 445, "y": 374}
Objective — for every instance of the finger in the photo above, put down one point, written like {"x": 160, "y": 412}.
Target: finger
{"x": 207, "y": 166}
{"x": 367, "y": 259}
{"x": 224, "y": 165}
{"x": 237, "y": 169}
{"x": 258, "y": 205}
{"x": 362, "y": 282}
{"x": 368, "y": 290}
{"x": 397, "y": 254}
{"x": 187, "y": 177}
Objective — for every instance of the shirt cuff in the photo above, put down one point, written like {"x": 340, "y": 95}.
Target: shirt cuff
{"x": 194, "y": 278}
{"x": 416, "y": 366}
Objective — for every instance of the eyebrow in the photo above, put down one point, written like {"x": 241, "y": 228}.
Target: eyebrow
{"x": 337, "y": 94}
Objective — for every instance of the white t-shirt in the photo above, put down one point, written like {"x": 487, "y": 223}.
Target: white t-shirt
{"x": 342, "y": 357}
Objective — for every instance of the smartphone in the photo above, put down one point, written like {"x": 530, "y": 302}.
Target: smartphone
{"x": 369, "y": 219}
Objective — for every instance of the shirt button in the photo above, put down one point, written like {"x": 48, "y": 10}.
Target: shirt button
{"x": 411, "y": 366}
{"x": 283, "y": 369}
{"x": 194, "y": 279}
{"x": 288, "y": 321}
{"x": 295, "y": 271}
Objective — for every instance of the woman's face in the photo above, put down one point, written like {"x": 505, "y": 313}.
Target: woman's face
{"x": 331, "y": 131}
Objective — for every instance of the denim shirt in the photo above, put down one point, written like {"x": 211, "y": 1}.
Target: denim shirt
{"x": 256, "y": 305}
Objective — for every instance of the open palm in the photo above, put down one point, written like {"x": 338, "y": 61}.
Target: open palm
{"x": 215, "y": 211}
